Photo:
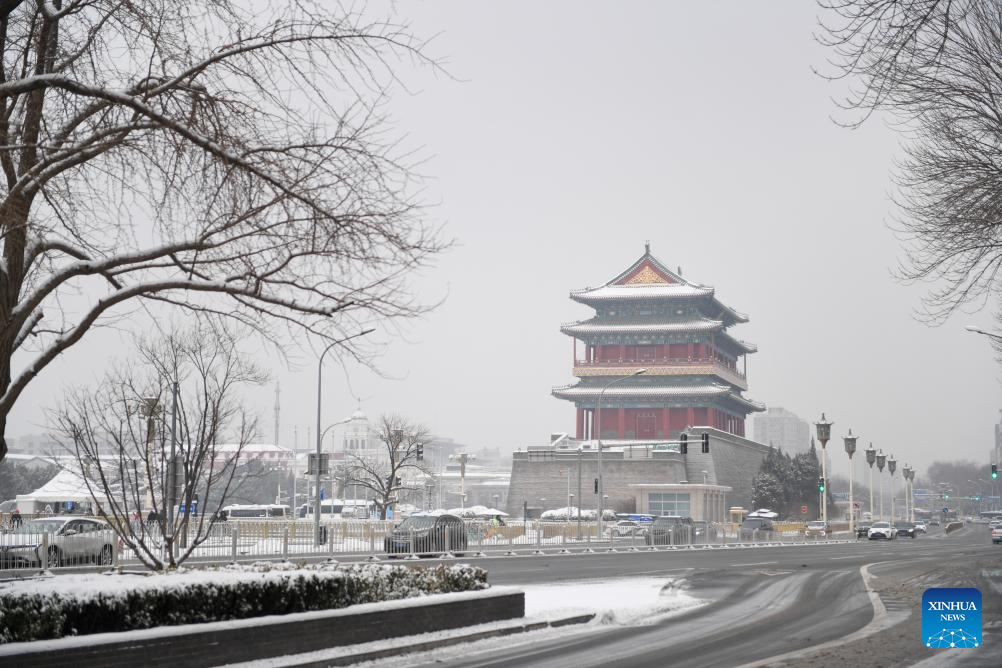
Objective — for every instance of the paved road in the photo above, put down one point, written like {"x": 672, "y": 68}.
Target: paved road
{"x": 766, "y": 602}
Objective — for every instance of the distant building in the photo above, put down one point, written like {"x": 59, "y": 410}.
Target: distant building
{"x": 657, "y": 359}
{"x": 781, "y": 428}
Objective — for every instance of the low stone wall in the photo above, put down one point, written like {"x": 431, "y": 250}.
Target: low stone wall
{"x": 217, "y": 643}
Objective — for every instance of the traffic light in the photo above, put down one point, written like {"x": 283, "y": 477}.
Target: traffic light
{"x": 946, "y": 497}
{"x": 821, "y": 485}
{"x": 995, "y": 471}
{"x": 683, "y": 446}
{"x": 706, "y": 444}
{"x": 419, "y": 452}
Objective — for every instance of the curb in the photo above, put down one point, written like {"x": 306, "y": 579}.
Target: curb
{"x": 291, "y": 661}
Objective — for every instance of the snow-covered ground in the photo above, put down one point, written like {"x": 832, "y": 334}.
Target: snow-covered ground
{"x": 615, "y": 602}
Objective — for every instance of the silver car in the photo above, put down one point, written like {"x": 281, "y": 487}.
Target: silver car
{"x": 71, "y": 540}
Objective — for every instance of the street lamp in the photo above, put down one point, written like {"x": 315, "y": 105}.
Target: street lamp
{"x": 824, "y": 428}
{"x": 601, "y": 487}
{"x": 906, "y": 473}
{"x": 850, "y": 449}
{"x": 871, "y": 457}
{"x": 320, "y": 369}
{"x": 322, "y": 437}
{"x": 891, "y": 465}
{"x": 881, "y": 460}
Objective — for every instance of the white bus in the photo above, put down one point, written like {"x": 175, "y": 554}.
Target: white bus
{"x": 269, "y": 511}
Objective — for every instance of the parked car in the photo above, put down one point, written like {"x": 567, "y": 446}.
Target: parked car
{"x": 817, "y": 529}
{"x": 430, "y": 534}
{"x": 863, "y": 529}
{"x": 71, "y": 540}
{"x": 997, "y": 534}
{"x": 670, "y": 530}
{"x": 921, "y": 526}
{"x": 625, "y": 528}
{"x": 934, "y": 523}
{"x": 881, "y": 530}
{"x": 755, "y": 528}
{"x": 905, "y": 529}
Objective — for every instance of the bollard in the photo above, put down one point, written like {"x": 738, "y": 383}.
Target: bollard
{"x": 372, "y": 543}
{"x": 413, "y": 546}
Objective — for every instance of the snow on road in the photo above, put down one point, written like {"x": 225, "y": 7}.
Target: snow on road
{"x": 626, "y": 601}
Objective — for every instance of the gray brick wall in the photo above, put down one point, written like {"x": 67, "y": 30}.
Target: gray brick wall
{"x": 539, "y": 479}
{"x": 733, "y": 461}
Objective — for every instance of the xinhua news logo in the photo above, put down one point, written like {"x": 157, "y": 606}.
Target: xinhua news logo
{"x": 951, "y": 618}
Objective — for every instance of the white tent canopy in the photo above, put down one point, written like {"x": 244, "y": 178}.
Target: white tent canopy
{"x": 65, "y": 486}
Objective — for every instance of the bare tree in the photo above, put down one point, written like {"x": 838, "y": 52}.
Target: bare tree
{"x": 936, "y": 67}
{"x": 223, "y": 159}
{"x": 121, "y": 436}
{"x": 400, "y": 465}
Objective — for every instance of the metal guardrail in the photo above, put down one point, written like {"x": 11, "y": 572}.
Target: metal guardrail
{"x": 366, "y": 540}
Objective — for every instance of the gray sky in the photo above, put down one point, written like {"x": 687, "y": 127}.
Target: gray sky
{"x": 576, "y": 132}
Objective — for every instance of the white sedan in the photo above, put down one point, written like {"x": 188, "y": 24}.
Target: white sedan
{"x": 881, "y": 530}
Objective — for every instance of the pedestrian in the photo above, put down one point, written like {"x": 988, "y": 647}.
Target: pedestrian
{"x": 15, "y": 519}
{"x": 151, "y": 519}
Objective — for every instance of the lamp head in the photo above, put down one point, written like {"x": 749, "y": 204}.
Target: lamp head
{"x": 850, "y": 444}
{"x": 824, "y": 428}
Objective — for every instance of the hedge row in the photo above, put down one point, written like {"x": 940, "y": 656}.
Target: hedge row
{"x": 169, "y": 600}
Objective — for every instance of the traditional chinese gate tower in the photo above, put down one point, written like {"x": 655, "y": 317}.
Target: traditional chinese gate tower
{"x": 649, "y": 317}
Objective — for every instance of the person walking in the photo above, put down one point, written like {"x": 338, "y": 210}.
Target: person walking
{"x": 15, "y": 518}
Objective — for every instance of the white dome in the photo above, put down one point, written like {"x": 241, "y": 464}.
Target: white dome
{"x": 358, "y": 415}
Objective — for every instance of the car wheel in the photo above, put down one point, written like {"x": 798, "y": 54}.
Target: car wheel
{"x": 106, "y": 556}
{"x": 55, "y": 557}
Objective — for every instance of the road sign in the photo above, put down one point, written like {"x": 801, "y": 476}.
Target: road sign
{"x": 803, "y": 509}
{"x": 946, "y": 510}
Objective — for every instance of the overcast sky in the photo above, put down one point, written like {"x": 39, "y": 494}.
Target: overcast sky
{"x": 575, "y": 131}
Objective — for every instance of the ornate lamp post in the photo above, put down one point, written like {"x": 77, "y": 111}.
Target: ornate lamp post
{"x": 891, "y": 465}
{"x": 850, "y": 449}
{"x": 881, "y": 460}
{"x": 601, "y": 488}
{"x": 871, "y": 457}
{"x": 824, "y": 428}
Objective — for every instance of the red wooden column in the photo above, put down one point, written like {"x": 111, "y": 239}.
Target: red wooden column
{"x": 711, "y": 416}
{"x": 690, "y": 416}
{"x": 621, "y": 419}
{"x": 666, "y": 422}
{"x": 580, "y": 424}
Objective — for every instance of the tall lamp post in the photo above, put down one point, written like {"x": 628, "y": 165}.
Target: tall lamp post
{"x": 320, "y": 368}
{"x": 906, "y": 472}
{"x": 322, "y": 437}
{"x": 824, "y": 428}
{"x": 601, "y": 488}
{"x": 881, "y": 460}
{"x": 850, "y": 449}
{"x": 891, "y": 465}
{"x": 871, "y": 457}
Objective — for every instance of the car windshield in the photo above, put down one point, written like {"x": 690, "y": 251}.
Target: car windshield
{"x": 417, "y": 523}
{"x": 881, "y": 525}
{"x": 41, "y": 526}
{"x": 815, "y": 525}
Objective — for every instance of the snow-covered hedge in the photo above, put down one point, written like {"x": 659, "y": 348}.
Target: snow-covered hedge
{"x": 83, "y": 604}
